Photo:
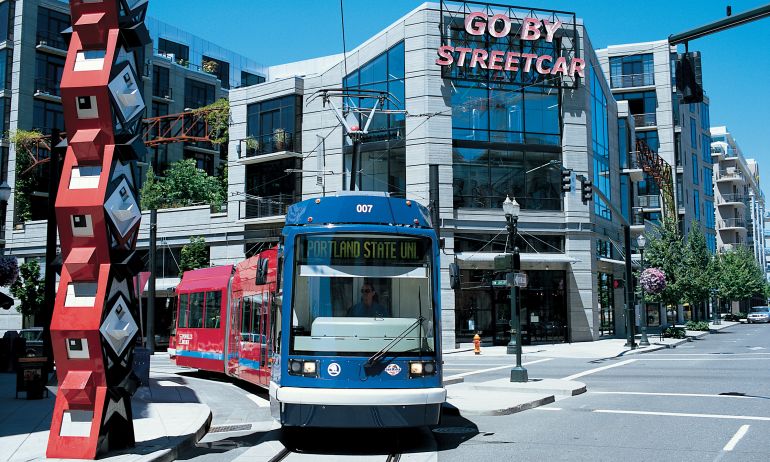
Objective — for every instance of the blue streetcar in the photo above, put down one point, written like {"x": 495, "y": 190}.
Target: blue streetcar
{"x": 358, "y": 340}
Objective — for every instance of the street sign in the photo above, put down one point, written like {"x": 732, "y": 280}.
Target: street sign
{"x": 500, "y": 283}
{"x": 520, "y": 279}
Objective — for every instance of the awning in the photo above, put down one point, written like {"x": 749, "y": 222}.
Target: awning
{"x": 612, "y": 261}
{"x": 489, "y": 257}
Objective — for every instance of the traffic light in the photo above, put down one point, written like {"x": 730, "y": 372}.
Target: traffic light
{"x": 566, "y": 180}
{"x": 586, "y": 191}
{"x": 689, "y": 77}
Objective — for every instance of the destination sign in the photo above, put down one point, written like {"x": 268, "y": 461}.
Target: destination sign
{"x": 326, "y": 249}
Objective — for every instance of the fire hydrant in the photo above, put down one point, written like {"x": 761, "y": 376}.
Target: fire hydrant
{"x": 477, "y": 344}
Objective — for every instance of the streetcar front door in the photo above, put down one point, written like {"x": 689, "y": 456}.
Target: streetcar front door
{"x": 234, "y": 337}
{"x": 264, "y": 329}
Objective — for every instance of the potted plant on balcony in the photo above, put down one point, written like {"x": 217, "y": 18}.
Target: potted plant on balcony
{"x": 252, "y": 146}
{"x": 182, "y": 62}
{"x": 279, "y": 139}
{"x": 210, "y": 67}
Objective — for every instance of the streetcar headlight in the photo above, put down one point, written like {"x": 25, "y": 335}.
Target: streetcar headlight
{"x": 422, "y": 368}
{"x": 304, "y": 368}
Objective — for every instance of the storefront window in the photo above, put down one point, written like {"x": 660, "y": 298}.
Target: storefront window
{"x": 606, "y": 297}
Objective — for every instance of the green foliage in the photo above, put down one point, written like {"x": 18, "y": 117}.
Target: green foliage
{"x": 700, "y": 325}
{"x": 738, "y": 275}
{"x": 697, "y": 272}
{"x": 665, "y": 250}
{"x": 735, "y": 317}
{"x": 674, "y": 332}
{"x": 184, "y": 185}
{"x": 29, "y": 289}
{"x": 194, "y": 255}
{"x": 218, "y": 117}
{"x": 25, "y": 142}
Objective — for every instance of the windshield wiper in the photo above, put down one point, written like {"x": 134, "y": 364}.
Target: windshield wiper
{"x": 378, "y": 356}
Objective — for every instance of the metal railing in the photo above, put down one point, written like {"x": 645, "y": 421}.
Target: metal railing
{"x": 631, "y": 162}
{"x": 729, "y": 175}
{"x": 717, "y": 150}
{"x": 167, "y": 92}
{"x": 732, "y": 223}
{"x": 47, "y": 86}
{"x": 52, "y": 40}
{"x": 645, "y": 120}
{"x": 266, "y": 206}
{"x": 732, "y": 198}
{"x": 632, "y": 80}
{"x": 278, "y": 141}
{"x": 650, "y": 202}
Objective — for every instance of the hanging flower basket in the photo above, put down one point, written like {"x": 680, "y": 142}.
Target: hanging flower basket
{"x": 9, "y": 271}
{"x": 653, "y": 281}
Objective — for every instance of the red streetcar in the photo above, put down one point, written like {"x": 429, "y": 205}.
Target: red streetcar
{"x": 225, "y": 318}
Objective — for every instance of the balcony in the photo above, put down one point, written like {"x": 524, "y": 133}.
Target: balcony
{"x": 717, "y": 151}
{"x": 730, "y": 246}
{"x": 266, "y": 208}
{"x": 732, "y": 223}
{"x": 732, "y": 199}
{"x": 729, "y": 174}
{"x": 52, "y": 43}
{"x": 48, "y": 89}
{"x": 645, "y": 120}
{"x": 278, "y": 145}
{"x": 649, "y": 202}
{"x": 632, "y": 80}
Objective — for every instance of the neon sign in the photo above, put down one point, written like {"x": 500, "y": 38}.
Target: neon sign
{"x": 530, "y": 30}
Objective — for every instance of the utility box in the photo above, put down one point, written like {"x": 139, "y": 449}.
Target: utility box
{"x": 31, "y": 377}
{"x": 142, "y": 365}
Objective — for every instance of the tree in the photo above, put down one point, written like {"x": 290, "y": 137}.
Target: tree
{"x": 29, "y": 289}
{"x": 26, "y": 143}
{"x": 184, "y": 185}
{"x": 739, "y": 276}
{"x": 665, "y": 251}
{"x": 194, "y": 255}
{"x": 697, "y": 277}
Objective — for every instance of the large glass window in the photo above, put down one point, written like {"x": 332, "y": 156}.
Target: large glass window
{"x": 219, "y": 68}
{"x": 632, "y": 71}
{"x": 248, "y": 79}
{"x": 270, "y": 190}
{"x": 505, "y": 113}
{"x": 623, "y": 141}
{"x": 6, "y": 20}
{"x": 642, "y": 105}
{"x": 160, "y": 82}
{"x": 695, "y": 170}
{"x": 651, "y": 138}
{"x": 708, "y": 181}
{"x": 693, "y": 133}
{"x": 6, "y": 63}
{"x": 705, "y": 148}
{"x": 47, "y": 116}
{"x": 484, "y": 177}
{"x": 696, "y": 203}
{"x": 600, "y": 145}
{"x": 353, "y": 294}
{"x": 196, "y": 310}
{"x": 384, "y": 73}
{"x": 184, "y": 301}
{"x": 382, "y": 167}
{"x": 213, "y": 310}
{"x": 274, "y": 125}
{"x": 48, "y": 73}
{"x": 178, "y": 52}
{"x": 198, "y": 94}
{"x": 50, "y": 24}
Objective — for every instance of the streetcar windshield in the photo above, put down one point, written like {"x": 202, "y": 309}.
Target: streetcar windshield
{"x": 355, "y": 293}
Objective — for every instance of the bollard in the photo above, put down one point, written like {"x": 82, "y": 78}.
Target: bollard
{"x": 477, "y": 344}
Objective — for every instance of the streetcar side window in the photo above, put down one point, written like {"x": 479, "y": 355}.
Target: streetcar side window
{"x": 196, "y": 310}
{"x": 213, "y": 309}
{"x": 184, "y": 299}
{"x": 246, "y": 320}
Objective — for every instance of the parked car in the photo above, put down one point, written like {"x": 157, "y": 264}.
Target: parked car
{"x": 759, "y": 314}
{"x": 34, "y": 338}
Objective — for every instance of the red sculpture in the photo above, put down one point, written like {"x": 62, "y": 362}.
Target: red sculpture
{"x": 95, "y": 319}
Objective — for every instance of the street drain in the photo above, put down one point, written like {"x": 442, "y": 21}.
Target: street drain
{"x": 230, "y": 428}
{"x": 733, "y": 393}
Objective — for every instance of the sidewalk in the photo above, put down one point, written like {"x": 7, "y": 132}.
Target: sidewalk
{"x": 501, "y": 397}
{"x": 167, "y": 418}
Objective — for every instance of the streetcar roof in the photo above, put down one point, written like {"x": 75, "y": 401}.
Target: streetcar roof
{"x": 214, "y": 278}
{"x": 358, "y": 208}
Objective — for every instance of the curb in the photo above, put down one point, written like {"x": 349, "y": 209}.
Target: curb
{"x": 452, "y": 381}
{"x": 506, "y": 411}
{"x": 188, "y": 441}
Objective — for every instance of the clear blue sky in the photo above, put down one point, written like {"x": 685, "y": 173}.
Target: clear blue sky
{"x": 736, "y": 63}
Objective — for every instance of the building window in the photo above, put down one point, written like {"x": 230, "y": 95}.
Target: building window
{"x": 274, "y": 125}
{"x": 50, "y": 24}
{"x": 6, "y": 66}
{"x": 203, "y": 160}
{"x": 600, "y": 139}
{"x": 679, "y": 190}
{"x": 160, "y": 82}
{"x": 5, "y": 116}
{"x": 693, "y": 133}
{"x": 632, "y": 71}
{"x": 46, "y": 116}
{"x": 177, "y": 52}
{"x": 623, "y": 139}
{"x": 705, "y": 148}
{"x": 708, "y": 182}
{"x": 696, "y": 204}
{"x": 651, "y": 138}
{"x": 7, "y": 12}
{"x": 542, "y": 243}
{"x": 709, "y": 212}
{"x": 642, "y": 104}
{"x": 695, "y": 170}
{"x": 705, "y": 118}
{"x": 198, "y": 94}
{"x": 269, "y": 189}
{"x": 48, "y": 72}
{"x": 483, "y": 177}
{"x": 248, "y": 79}
{"x": 382, "y": 166}
{"x": 160, "y": 160}
{"x": 219, "y": 68}
{"x": 384, "y": 73}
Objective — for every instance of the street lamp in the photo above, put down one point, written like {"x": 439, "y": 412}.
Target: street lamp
{"x": 511, "y": 210}
{"x": 5, "y": 192}
{"x": 641, "y": 241}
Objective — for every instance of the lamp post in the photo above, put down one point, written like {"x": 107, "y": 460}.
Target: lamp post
{"x": 511, "y": 209}
{"x": 715, "y": 309}
{"x": 5, "y": 195}
{"x": 641, "y": 241}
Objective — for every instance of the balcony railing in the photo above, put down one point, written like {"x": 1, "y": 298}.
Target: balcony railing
{"x": 167, "y": 93}
{"x": 645, "y": 120}
{"x": 630, "y": 162}
{"x": 266, "y": 206}
{"x": 632, "y": 80}
{"x": 47, "y": 86}
{"x": 649, "y": 202}
{"x": 729, "y": 175}
{"x": 278, "y": 141}
{"x": 732, "y": 223}
{"x": 732, "y": 198}
{"x": 717, "y": 151}
{"x": 53, "y": 40}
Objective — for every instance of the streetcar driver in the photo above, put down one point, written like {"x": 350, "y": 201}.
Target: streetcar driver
{"x": 368, "y": 306}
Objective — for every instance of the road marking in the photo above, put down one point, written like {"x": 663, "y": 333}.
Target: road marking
{"x": 168, "y": 383}
{"x": 757, "y": 348}
{"x": 679, "y": 414}
{"x": 687, "y": 395}
{"x": 737, "y": 437}
{"x": 598, "y": 369}
{"x": 492, "y": 369}
{"x": 721, "y": 358}
{"x": 729, "y": 355}
{"x": 548, "y": 408}
{"x": 259, "y": 401}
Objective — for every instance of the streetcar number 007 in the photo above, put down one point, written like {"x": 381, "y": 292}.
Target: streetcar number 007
{"x": 364, "y": 208}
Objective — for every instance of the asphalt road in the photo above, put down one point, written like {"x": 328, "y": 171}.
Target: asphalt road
{"x": 705, "y": 400}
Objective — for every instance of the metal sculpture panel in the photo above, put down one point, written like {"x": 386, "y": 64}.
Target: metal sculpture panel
{"x": 95, "y": 320}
